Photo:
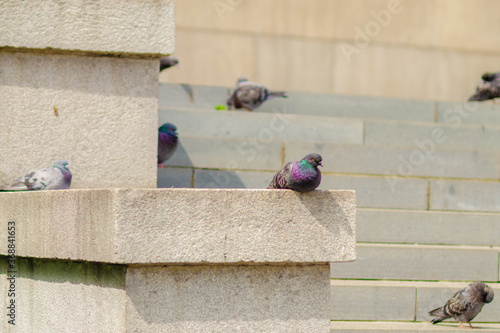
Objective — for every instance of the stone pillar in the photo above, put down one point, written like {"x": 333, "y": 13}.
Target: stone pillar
{"x": 79, "y": 81}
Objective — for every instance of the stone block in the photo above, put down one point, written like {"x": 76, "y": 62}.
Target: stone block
{"x": 48, "y": 292}
{"x": 95, "y": 112}
{"x": 406, "y": 262}
{"x": 121, "y": 27}
{"x": 464, "y": 195}
{"x": 182, "y": 226}
{"x": 228, "y": 298}
{"x": 427, "y": 227}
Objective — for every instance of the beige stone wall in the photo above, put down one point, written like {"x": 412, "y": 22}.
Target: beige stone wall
{"x": 429, "y": 49}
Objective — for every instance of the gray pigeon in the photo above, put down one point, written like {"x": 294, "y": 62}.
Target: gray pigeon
{"x": 167, "y": 142}
{"x": 56, "y": 178}
{"x": 302, "y": 176}
{"x": 167, "y": 62}
{"x": 488, "y": 87}
{"x": 250, "y": 95}
{"x": 465, "y": 304}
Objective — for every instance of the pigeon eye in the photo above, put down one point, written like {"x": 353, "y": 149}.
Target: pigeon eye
{"x": 314, "y": 160}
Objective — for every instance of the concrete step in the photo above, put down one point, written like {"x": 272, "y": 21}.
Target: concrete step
{"x": 342, "y": 106}
{"x": 406, "y": 327}
{"x": 372, "y": 191}
{"x": 426, "y": 137}
{"x": 427, "y": 227}
{"x": 402, "y": 300}
{"x": 421, "y": 262}
{"x": 255, "y": 154}
{"x": 207, "y": 97}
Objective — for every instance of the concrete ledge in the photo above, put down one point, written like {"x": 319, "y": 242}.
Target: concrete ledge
{"x": 181, "y": 226}
{"x": 101, "y": 26}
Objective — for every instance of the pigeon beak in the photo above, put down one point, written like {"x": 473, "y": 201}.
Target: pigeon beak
{"x": 320, "y": 164}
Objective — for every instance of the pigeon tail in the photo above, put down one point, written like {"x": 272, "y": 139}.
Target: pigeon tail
{"x": 278, "y": 94}
{"x": 439, "y": 314}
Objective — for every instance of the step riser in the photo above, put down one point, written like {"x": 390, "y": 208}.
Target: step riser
{"x": 420, "y": 263}
{"x": 364, "y": 107}
{"x": 303, "y": 128}
{"x": 384, "y": 226}
{"x": 371, "y": 191}
{"x": 399, "y": 303}
{"x": 203, "y": 152}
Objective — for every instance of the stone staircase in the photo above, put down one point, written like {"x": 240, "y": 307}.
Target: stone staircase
{"x": 426, "y": 175}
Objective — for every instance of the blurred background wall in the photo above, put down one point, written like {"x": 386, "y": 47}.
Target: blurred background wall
{"x": 425, "y": 49}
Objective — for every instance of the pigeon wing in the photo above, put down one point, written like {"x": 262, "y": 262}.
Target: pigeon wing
{"x": 457, "y": 305}
{"x": 45, "y": 179}
{"x": 250, "y": 97}
{"x": 280, "y": 179}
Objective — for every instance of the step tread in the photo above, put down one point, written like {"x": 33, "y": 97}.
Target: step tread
{"x": 387, "y": 326}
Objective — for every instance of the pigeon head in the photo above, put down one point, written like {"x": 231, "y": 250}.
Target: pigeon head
{"x": 168, "y": 128}
{"x": 167, "y": 62}
{"x": 488, "y": 77}
{"x": 242, "y": 79}
{"x": 62, "y": 164}
{"x": 313, "y": 159}
{"x": 487, "y": 294}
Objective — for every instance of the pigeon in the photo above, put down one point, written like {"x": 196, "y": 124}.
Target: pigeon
{"x": 167, "y": 142}
{"x": 167, "y": 62}
{"x": 488, "y": 87}
{"x": 250, "y": 95}
{"x": 56, "y": 178}
{"x": 302, "y": 176}
{"x": 465, "y": 304}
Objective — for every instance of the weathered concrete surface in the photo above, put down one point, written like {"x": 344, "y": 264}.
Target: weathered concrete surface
{"x": 183, "y": 225}
{"x": 228, "y": 299}
{"x": 95, "y": 112}
{"x": 122, "y": 26}
{"x": 65, "y": 296}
